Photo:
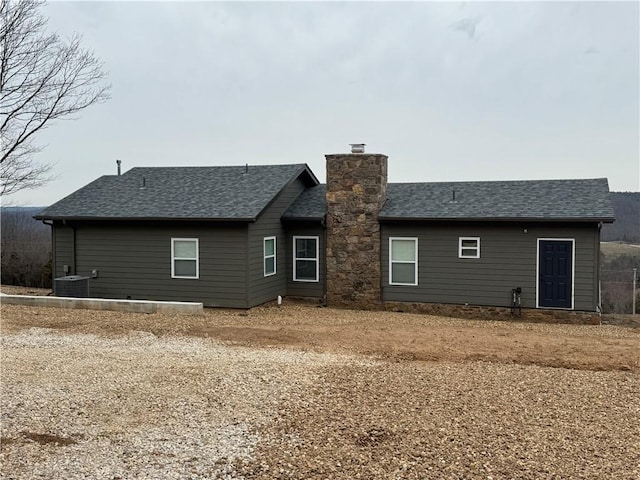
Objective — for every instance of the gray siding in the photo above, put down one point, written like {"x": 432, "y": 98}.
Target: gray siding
{"x": 134, "y": 260}
{"x": 62, "y": 248}
{"x": 508, "y": 260}
{"x": 263, "y": 289}
{"x": 306, "y": 289}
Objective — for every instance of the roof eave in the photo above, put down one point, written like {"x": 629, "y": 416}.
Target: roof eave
{"x": 303, "y": 219}
{"x": 383, "y": 218}
{"x": 312, "y": 175}
{"x": 145, "y": 219}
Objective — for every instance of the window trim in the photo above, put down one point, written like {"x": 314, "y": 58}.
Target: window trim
{"x": 265, "y": 256}
{"x": 392, "y": 261}
{"x": 476, "y": 248}
{"x": 316, "y": 259}
{"x": 174, "y": 258}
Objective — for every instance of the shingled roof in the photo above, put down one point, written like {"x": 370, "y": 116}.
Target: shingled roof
{"x": 235, "y": 193}
{"x": 310, "y": 205}
{"x": 531, "y": 200}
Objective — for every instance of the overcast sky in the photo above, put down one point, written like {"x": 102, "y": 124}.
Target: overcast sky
{"x": 450, "y": 91}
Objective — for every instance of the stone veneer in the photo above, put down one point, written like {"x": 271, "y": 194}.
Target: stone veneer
{"x": 473, "y": 312}
{"x": 356, "y": 191}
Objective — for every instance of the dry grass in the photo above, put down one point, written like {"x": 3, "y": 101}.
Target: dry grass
{"x": 615, "y": 249}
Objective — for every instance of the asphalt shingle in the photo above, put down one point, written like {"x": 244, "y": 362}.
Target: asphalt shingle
{"x": 571, "y": 200}
{"x": 310, "y": 205}
{"x": 586, "y": 199}
{"x": 221, "y": 193}
{"x": 238, "y": 193}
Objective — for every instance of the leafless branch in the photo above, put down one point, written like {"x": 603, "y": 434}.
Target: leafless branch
{"x": 42, "y": 79}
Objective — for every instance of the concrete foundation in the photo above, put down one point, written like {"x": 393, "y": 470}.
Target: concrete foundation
{"x": 136, "y": 306}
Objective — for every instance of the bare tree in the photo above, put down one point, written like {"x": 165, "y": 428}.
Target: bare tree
{"x": 42, "y": 78}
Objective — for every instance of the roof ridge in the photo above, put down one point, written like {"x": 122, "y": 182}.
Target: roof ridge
{"x": 500, "y": 181}
{"x": 213, "y": 192}
{"x": 217, "y": 166}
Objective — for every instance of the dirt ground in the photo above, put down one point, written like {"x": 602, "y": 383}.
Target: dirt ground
{"x": 387, "y": 395}
{"x": 395, "y": 336}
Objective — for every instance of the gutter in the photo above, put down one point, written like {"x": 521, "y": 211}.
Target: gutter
{"x": 496, "y": 219}
{"x": 53, "y": 253}
{"x": 148, "y": 219}
{"x": 73, "y": 248}
{"x": 304, "y": 219}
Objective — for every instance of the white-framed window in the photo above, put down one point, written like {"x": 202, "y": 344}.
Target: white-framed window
{"x": 403, "y": 261}
{"x": 269, "y": 256}
{"x": 305, "y": 259}
{"x": 184, "y": 258}
{"x": 469, "y": 247}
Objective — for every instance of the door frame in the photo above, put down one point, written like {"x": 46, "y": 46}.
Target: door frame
{"x": 573, "y": 270}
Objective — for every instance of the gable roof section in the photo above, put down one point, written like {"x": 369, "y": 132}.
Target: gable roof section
{"x": 234, "y": 193}
{"x": 530, "y": 200}
{"x": 310, "y": 205}
{"x": 533, "y": 200}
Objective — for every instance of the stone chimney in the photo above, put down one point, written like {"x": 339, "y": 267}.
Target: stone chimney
{"x": 356, "y": 191}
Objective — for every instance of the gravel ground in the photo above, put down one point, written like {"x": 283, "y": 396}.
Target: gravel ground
{"x": 17, "y": 290}
{"x": 107, "y": 395}
{"x": 449, "y": 421}
{"x": 79, "y": 406}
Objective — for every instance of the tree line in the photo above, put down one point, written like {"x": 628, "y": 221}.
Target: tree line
{"x": 25, "y": 248}
{"x": 626, "y": 228}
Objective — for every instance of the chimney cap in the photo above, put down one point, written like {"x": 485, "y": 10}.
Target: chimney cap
{"x": 357, "y": 147}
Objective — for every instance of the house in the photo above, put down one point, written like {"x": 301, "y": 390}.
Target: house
{"x": 240, "y": 236}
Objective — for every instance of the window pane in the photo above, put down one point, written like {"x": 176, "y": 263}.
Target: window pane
{"x": 305, "y": 248}
{"x": 468, "y": 252}
{"x": 305, "y": 269}
{"x": 470, "y": 243}
{"x": 269, "y": 265}
{"x": 269, "y": 247}
{"x": 185, "y": 268}
{"x": 184, "y": 249}
{"x": 403, "y": 250}
{"x": 403, "y": 273}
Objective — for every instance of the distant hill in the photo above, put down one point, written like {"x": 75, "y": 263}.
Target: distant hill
{"x": 23, "y": 216}
{"x": 626, "y": 228}
{"x": 33, "y": 210}
{"x": 25, "y": 248}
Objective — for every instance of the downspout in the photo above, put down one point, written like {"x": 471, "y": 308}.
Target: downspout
{"x": 73, "y": 250}
{"x": 247, "y": 263}
{"x": 380, "y": 253}
{"x": 598, "y": 283}
{"x": 53, "y": 251}
{"x": 73, "y": 247}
